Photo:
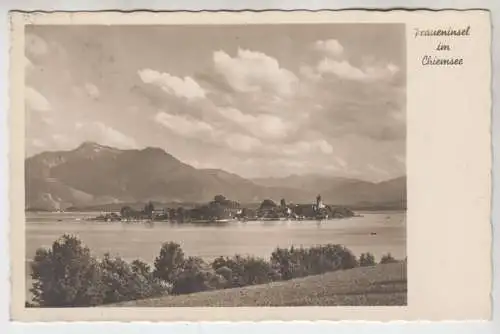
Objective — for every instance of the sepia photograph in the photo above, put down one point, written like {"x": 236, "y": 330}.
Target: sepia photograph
{"x": 215, "y": 165}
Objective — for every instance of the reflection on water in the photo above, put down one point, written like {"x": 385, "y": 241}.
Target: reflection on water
{"x": 377, "y": 233}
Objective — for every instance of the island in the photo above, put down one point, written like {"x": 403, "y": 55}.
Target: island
{"x": 223, "y": 210}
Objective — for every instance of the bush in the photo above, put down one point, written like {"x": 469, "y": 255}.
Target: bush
{"x": 287, "y": 262}
{"x": 124, "y": 281}
{"x": 367, "y": 260}
{"x": 242, "y": 271}
{"x": 300, "y": 262}
{"x": 333, "y": 257}
{"x": 387, "y": 259}
{"x": 169, "y": 261}
{"x": 66, "y": 275}
{"x": 227, "y": 274}
{"x": 194, "y": 276}
{"x": 141, "y": 268}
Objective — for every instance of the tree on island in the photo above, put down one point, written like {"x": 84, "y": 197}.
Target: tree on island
{"x": 127, "y": 212}
{"x": 268, "y": 209}
{"x": 224, "y": 201}
{"x": 220, "y": 199}
{"x": 217, "y": 211}
{"x": 149, "y": 210}
{"x": 267, "y": 204}
{"x": 283, "y": 203}
{"x": 172, "y": 214}
{"x": 180, "y": 215}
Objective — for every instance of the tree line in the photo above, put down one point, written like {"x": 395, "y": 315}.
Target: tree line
{"x": 67, "y": 275}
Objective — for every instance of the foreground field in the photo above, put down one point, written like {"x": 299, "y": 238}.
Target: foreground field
{"x": 384, "y": 284}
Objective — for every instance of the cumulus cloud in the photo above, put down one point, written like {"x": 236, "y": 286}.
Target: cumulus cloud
{"x": 92, "y": 90}
{"x": 189, "y": 127}
{"x": 341, "y": 162}
{"x": 36, "y": 142}
{"x": 379, "y": 171}
{"x": 35, "y": 45}
{"x": 185, "y": 87}
{"x": 260, "y": 125}
{"x": 398, "y": 115}
{"x": 48, "y": 119}
{"x": 70, "y": 136}
{"x": 87, "y": 90}
{"x": 251, "y": 71}
{"x": 241, "y": 142}
{"x": 400, "y": 159}
{"x": 35, "y": 101}
{"x": 331, "y": 47}
{"x": 310, "y": 73}
{"x": 302, "y": 105}
{"x": 306, "y": 147}
{"x": 258, "y": 109}
{"x": 28, "y": 65}
{"x": 344, "y": 70}
{"x": 184, "y": 126}
{"x": 335, "y": 62}
{"x": 61, "y": 139}
{"x": 102, "y": 134}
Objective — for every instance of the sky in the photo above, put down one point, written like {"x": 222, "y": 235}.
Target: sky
{"x": 255, "y": 100}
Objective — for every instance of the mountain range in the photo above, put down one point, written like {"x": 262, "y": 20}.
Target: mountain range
{"x": 93, "y": 175}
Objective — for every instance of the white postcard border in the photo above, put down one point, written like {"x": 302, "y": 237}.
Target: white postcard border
{"x": 377, "y": 314}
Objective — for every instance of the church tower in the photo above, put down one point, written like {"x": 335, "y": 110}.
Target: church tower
{"x": 319, "y": 203}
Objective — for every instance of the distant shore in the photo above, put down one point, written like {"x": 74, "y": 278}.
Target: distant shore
{"x": 116, "y": 208}
{"x": 102, "y": 218}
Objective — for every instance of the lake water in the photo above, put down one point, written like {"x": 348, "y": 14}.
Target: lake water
{"x": 378, "y": 233}
{"x": 142, "y": 241}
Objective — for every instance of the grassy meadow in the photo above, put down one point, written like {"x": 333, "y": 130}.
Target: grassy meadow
{"x": 383, "y": 284}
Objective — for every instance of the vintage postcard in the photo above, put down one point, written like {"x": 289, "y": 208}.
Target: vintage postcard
{"x": 250, "y": 166}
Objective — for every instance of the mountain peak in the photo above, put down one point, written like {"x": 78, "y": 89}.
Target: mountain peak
{"x": 151, "y": 149}
{"x": 89, "y": 144}
{"x": 90, "y": 147}
{"x": 98, "y": 174}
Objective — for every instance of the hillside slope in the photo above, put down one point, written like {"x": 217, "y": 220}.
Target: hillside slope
{"x": 384, "y": 284}
{"x": 93, "y": 174}
{"x": 345, "y": 191}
